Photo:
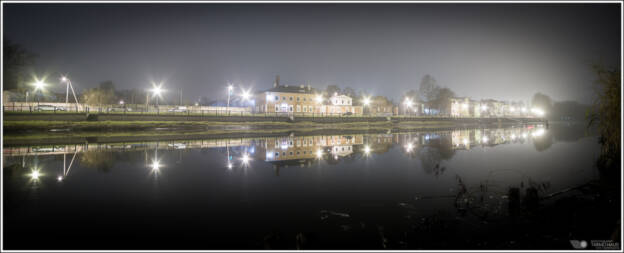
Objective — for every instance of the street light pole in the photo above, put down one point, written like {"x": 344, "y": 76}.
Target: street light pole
{"x": 230, "y": 88}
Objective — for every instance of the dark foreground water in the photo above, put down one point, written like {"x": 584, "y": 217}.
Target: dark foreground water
{"x": 524, "y": 187}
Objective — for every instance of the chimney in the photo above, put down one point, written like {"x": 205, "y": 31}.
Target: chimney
{"x": 301, "y": 86}
{"x": 309, "y": 87}
{"x": 277, "y": 80}
{"x": 274, "y": 84}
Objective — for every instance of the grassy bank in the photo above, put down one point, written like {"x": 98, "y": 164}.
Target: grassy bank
{"x": 31, "y": 132}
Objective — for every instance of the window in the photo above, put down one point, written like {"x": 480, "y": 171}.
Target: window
{"x": 283, "y": 98}
{"x": 298, "y": 108}
{"x": 304, "y": 99}
{"x": 297, "y": 99}
{"x": 291, "y": 109}
{"x": 277, "y": 108}
{"x": 276, "y": 154}
{"x": 276, "y": 98}
{"x": 305, "y": 108}
{"x": 290, "y": 98}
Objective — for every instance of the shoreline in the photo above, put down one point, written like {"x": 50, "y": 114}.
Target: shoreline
{"x": 53, "y": 132}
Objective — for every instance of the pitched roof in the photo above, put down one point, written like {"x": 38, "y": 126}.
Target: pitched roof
{"x": 292, "y": 89}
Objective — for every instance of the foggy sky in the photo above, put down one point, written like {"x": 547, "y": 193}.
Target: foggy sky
{"x": 501, "y": 51}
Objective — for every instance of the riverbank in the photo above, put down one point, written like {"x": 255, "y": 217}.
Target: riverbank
{"x": 49, "y": 132}
{"x": 71, "y": 132}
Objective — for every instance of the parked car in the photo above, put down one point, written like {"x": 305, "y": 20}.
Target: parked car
{"x": 48, "y": 108}
{"x": 177, "y": 145}
{"x": 347, "y": 114}
{"x": 178, "y": 109}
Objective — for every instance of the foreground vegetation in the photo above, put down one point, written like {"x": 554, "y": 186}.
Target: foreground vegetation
{"x": 606, "y": 114}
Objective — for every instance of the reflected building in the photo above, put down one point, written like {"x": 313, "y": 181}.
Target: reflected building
{"x": 303, "y": 150}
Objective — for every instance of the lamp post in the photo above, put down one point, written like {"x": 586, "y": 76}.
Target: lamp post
{"x": 39, "y": 85}
{"x": 230, "y": 88}
{"x": 69, "y": 85}
{"x": 366, "y": 101}
{"x": 157, "y": 91}
{"x": 408, "y": 104}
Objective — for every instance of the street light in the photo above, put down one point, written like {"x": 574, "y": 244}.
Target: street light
{"x": 68, "y": 85}
{"x": 157, "y": 91}
{"x": 408, "y": 103}
{"x": 366, "y": 101}
{"x": 245, "y": 95}
{"x": 39, "y": 85}
{"x": 319, "y": 99}
{"x": 230, "y": 88}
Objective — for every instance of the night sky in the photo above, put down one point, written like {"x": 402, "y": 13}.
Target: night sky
{"x": 501, "y": 51}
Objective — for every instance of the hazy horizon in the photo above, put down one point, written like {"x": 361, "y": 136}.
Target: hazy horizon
{"x": 500, "y": 51}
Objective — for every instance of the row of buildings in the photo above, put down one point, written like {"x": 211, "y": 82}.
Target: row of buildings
{"x": 303, "y": 99}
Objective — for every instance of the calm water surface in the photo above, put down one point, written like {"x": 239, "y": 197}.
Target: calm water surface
{"x": 393, "y": 190}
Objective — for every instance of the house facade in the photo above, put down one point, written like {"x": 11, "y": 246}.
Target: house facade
{"x": 303, "y": 100}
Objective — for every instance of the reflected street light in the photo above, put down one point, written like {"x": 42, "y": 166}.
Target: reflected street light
{"x": 319, "y": 153}
{"x": 367, "y": 150}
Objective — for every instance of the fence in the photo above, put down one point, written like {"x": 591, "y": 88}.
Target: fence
{"x": 203, "y": 111}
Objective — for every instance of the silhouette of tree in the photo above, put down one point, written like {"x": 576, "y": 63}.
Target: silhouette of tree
{"x": 428, "y": 89}
{"x": 15, "y": 60}
{"x": 542, "y": 101}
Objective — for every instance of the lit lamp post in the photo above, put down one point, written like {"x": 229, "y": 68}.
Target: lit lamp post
{"x": 366, "y": 101}
{"x": 246, "y": 95}
{"x": 408, "y": 104}
{"x": 157, "y": 91}
{"x": 230, "y": 88}
{"x": 39, "y": 85}
{"x": 319, "y": 101}
{"x": 68, "y": 86}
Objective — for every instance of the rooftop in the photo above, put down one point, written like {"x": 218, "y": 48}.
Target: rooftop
{"x": 292, "y": 89}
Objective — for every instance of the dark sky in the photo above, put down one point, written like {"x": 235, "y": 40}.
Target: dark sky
{"x": 501, "y": 51}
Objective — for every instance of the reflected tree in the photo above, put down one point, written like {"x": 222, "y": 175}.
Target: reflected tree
{"x": 543, "y": 142}
{"x": 102, "y": 161}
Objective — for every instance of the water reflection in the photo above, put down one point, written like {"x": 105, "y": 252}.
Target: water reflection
{"x": 429, "y": 148}
{"x": 355, "y": 182}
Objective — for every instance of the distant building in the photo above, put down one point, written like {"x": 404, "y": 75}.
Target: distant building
{"x": 302, "y": 100}
{"x": 288, "y": 99}
{"x": 492, "y": 108}
{"x": 340, "y": 104}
